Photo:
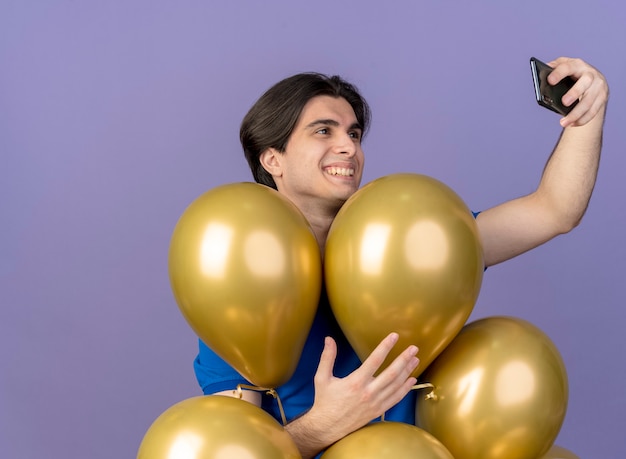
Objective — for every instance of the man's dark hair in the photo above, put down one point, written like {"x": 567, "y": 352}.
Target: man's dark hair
{"x": 272, "y": 119}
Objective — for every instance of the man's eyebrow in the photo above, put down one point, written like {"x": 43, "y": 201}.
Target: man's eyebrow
{"x": 331, "y": 122}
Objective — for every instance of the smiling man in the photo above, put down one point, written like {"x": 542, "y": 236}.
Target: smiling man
{"x": 322, "y": 164}
{"x": 303, "y": 138}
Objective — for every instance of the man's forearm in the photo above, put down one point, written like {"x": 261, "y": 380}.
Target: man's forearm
{"x": 570, "y": 173}
{"x": 309, "y": 436}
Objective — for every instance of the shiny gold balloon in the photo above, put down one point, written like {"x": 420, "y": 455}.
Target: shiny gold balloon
{"x": 388, "y": 440}
{"x": 557, "y": 452}
{"x": 216, "y": 427}
{"x": 403, "y": 255}
{"x": 245, "y": 270}
{"x": 501, "y": 392}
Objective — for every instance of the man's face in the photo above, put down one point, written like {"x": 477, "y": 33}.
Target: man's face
{"x": 322, "y": 165}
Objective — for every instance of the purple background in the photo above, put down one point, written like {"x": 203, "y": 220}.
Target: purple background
{"x": 115, "y": 115}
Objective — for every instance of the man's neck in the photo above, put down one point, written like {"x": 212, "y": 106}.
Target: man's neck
{"x": 320, "y": 226}
{"x": 320, "y": 219}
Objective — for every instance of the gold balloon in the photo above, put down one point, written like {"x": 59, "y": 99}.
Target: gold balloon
{"x": 403, "y": 255}
{"x": 501, "y": 392}
{"x": 557, "y": 452}
{"x": 216, "y": 427}
{"x": 245, "y": 270}
{"x": 388, "y": 440}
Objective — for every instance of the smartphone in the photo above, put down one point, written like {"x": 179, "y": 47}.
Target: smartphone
{"x": 547, "y": 95}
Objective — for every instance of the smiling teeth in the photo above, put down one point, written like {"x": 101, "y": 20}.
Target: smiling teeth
{"x": 340, "y": 171}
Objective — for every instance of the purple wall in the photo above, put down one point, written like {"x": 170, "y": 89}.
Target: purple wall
{"x": 115, "y": 115}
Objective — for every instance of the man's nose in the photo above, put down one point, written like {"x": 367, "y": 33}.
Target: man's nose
{"x": 346, "y": 145}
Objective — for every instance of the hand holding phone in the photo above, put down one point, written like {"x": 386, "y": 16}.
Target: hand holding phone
{"x": 547, "y": 95}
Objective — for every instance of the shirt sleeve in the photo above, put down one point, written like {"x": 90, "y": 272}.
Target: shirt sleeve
{"x": 213, "y": 373}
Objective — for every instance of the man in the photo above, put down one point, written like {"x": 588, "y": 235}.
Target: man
{"x": 303, "y": 137}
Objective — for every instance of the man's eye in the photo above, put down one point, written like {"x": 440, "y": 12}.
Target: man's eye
{"x": 355, "y": 135}
{"x": 322, "y": 131}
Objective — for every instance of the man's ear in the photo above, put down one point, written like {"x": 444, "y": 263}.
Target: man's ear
{"x": 270, "y": 160}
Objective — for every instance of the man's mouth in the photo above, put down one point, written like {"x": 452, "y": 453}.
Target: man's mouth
{"x": 342, "y": 171}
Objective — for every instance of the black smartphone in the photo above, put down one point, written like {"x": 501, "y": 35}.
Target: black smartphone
{"x": 547, "y": 95}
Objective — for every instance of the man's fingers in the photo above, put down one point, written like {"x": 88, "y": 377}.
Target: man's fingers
{"x": 401, "y": 368}
{"x": 565, "y": 67}
{"x": 395, "y": 381}
{"x": 378, "y": 355}
{"x": 590, "y": 89}
{"x": 327, "y": 360}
